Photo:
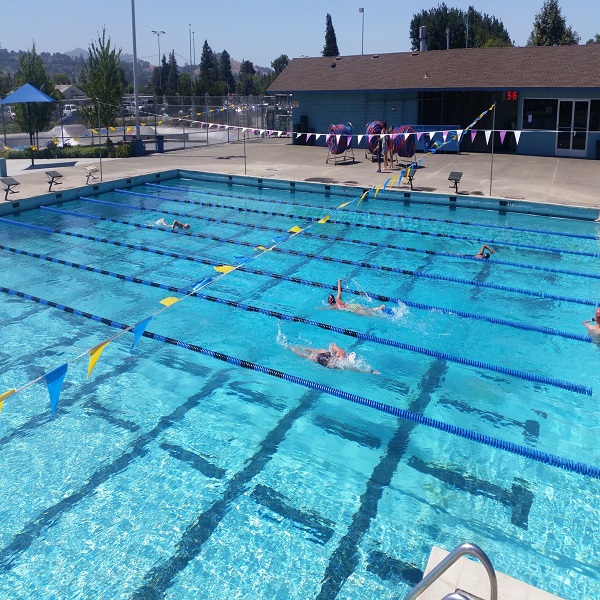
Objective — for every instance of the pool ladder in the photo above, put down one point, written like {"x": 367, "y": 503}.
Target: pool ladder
{"x": 446, "y": 563}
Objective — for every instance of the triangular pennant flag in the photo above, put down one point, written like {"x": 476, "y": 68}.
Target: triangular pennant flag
{"x": 94, "y": 131}
{"x": 200, "y": 283}
{"x": 444, "y": 135}
{"x": 5, "y": 395}
{"x": 369, "y": 138}
{"x": 279, "y": 238}
{"x": 54, "y": 381}
{"x": 487, "y": 136}
{"x": 386, "y": 184}
{"x": 95, "y": 353}
{"x": 295, "y": 229}
{"x": 224, "y": 269}
{"x": 393, "y": 180}
{"x": 364, "y": 194}
{"x": 459, "y": 133}
{"x": 317, "y": 136}
{"x": 517, "y": 136}
{"x": 170, "y": 300}
{"x": 261, "y": 248}
{"x": 327, "y": 137}
{"x": 345, "y": 204}
{"x": 323, "y": 220}
{"x": 377, "y": 190}
{"x": 473, "y": 134}
{"x": 349, "y": 140}
{"x": 242, "y": 259}
{"x": 502, "y": 136}
{"x": 138, "y": 331}
{"x": 419, "y": 134}
{"x": 492, "y": 106}
{"x": 359, "y": 139}
{"x": 308, "y": 136}
{"x": 337, "y": 138}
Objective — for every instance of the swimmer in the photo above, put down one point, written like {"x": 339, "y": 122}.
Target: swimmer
{"x": 333, "y": 357}
{"x": 358, "y": 309}
{"x": 594, "y": 330}
{"x": 482, "y": 252}
{"x": 175, "y": 224}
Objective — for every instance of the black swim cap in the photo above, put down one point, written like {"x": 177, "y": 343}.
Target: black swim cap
{"x": 486, "y": 255}
{"x": 323, "y": 358}
{"x": 331, "y": 299}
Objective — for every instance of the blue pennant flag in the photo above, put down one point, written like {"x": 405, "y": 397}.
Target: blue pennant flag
{"x": 138, "y": 331}
{"x": 54, "y": 381}
{"x": 201, "y": 283}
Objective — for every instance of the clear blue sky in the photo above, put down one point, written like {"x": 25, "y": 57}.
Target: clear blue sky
{"x": 257, "y": 30}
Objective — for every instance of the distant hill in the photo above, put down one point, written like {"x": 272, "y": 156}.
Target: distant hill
{"x": 77, "y": 52}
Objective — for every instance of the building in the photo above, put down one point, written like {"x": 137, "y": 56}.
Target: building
{"x": 547, "y": 98}
{"x": 70, "y": 92}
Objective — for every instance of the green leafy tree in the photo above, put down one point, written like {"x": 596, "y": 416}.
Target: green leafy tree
{"x": 34, "y": 117}
{"x": 248, "y": 83}
{"x": 594, "y": 40}
{"x": 102, "y": 79}
{"x": 61, "y": 79}
{"x": 331, "y": 47}
{"x": 225, "y": 73}
{"x": 185, "y": 84}
{"x": 280, "y": 63}
{"x": 5, "y": 84}
{"x": 172, "y": 79}
{"x": 550, "y": 28}
{"x": 484, "y": 30}
{"x": 209, "y": 70}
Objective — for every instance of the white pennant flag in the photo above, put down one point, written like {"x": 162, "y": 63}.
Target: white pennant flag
{"x": 487, "y": 136}
{"x": 317, "y": 136}
{"x": 359, "y": 138}
{"x": 517, "y": 136}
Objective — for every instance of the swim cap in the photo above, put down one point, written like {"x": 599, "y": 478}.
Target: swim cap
{"x": 323, "y": 358}
{"x": 486, "y": 255}
{"x": 331, "y": 299}
{"x": 186, "y": 226}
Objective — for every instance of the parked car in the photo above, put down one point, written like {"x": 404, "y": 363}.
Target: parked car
{"x": 9, "y": 115}
{"x": 69, "y": 109}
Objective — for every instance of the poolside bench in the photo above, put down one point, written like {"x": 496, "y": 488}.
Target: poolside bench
{"x": 53, "y": 177}
{"x": 90, "y": 171}
{"x": 455, "y": 177}
{"x": 9, "y": 183}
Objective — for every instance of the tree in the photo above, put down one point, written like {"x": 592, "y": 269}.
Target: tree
{"x": 102, "y": 79}
{"x": 35, "y": 116}
{"x": 594, "y": 40}
{"x": 484, "y": 30}
{"x": 225, "y": 73}
{"x": 5, "y": 84}
{"x": 280, "y": 63}
{"x": 248, "y": 82}
{"x": 331, "y": 47}
{"x": 61, "y": 79}
{"x": 208, "y": 70}
{"x": 172, "y": 79}
{"x": 550, "y": 28}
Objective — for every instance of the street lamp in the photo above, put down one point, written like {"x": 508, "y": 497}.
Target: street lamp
{"x": 191, "y": 76}
{"x": 362, "y": 45}
{"x": 158, "y": 33}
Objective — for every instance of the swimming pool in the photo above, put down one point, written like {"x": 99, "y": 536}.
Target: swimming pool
{"x": 210, "y": 461}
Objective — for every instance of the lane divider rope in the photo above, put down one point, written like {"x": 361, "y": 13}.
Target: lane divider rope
{"x": 493, "y": 442}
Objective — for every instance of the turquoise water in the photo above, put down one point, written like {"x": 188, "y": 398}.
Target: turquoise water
{"x": 169, "y": 473}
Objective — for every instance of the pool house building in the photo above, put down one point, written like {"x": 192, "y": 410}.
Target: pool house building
{"x": 547, "y": 99}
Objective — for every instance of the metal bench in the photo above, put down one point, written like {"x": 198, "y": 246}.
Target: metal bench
{"x": 455, "y": 177}
{"x": 90, "y": 171}
{"x": 53, "y": 177}
{"x": 9, "y": 183}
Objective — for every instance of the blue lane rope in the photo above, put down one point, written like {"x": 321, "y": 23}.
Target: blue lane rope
{"x": 342, "y": 239}
{"x": 493, "y": 442}
{"x": 297, "y": 280}
{"x": 566, "y": 385}
{"x": 407, "y": 272}
{"x": 365, "y": 225}
{"x": 378, "y": 214}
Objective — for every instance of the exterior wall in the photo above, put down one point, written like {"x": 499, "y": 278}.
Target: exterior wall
{"x": 359, "y": 108}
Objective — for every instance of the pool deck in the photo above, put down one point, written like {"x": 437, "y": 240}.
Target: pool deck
{"x": 563, "y": 181}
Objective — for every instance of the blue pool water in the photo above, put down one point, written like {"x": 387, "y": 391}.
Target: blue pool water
{"x": 171, "y": 472}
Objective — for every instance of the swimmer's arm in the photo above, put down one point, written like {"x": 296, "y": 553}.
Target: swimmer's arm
{"x": 339, "y": 294}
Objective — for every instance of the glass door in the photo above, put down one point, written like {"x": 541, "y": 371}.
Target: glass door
{"x": 571, "y": 138}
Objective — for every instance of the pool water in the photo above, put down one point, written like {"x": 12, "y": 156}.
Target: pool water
{"x": 175, "y": 471}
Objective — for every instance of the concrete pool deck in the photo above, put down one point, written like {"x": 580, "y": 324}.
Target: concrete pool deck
{"x": 563, "y": 181}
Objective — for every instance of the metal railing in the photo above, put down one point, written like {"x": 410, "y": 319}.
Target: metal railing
{"x": 447, "y": 562}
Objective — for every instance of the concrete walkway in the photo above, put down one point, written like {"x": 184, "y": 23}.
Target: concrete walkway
{"x": 567, "y": 181}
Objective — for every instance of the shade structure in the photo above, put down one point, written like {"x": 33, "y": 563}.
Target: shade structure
{"x": 26, "y": 93}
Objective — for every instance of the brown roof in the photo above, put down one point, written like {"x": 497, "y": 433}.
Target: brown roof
{"x": 464, "y": 68}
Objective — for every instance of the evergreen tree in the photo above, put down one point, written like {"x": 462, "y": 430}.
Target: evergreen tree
{"x": 550, "y": 28}
{"x": 484, "y": 30}
{"x": 36, "y": 116}
{"x": 172, "y": 79}
{"x": 5, "y": 84}
{"x": 208, "y": 70}
{"x": 331, "y": 47}
{"x": 225, "y": 73}
{"x": 102, "y": 80}
{"x": 248, "y": 83}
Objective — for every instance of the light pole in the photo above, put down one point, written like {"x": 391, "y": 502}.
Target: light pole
{"x": 135, "y": 78}
{"x": 362, "y": 44}
{"x": 190, "y": 26}
{"x": 158, "y": 33}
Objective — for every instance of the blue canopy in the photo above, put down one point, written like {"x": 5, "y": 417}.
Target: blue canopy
{"x": 26, "y": 93}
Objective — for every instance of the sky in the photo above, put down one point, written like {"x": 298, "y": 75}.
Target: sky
{"x": 257, "y": 30}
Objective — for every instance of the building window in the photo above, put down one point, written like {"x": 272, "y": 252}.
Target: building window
{"x": 595, "y": 115}
{"x": 540, "y": 113}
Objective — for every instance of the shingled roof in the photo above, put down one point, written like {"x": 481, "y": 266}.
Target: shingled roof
{"x": 463, "y": 69}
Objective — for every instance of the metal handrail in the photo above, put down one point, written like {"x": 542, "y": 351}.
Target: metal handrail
{"x": 448, "y": 561}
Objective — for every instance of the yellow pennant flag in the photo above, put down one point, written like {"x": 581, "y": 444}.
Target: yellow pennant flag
{"x": 295, "y": 229}
{"x": 345, "y": 204}
{"x": 170, "y": 300}
{"x": 492, "y": 106}
{"x": 225, "y": 269}
{"x": 4, "y": 396}
{"x": 94, "y": 356}
{"x": 324, "y": 219}
{"x": 393, "y": 180}
{"x": 160, "y": 123}
{"x": 377, "y": 190}
{"x": 94, "y": 131}
{"x": 261, "y": 248}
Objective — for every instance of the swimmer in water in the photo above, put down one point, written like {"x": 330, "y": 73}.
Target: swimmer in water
{"x": 333, "y": 357}
{"x": 358, "y": 309}
{"x": 594, "y": 330}
{"x": 175, "y": 225}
